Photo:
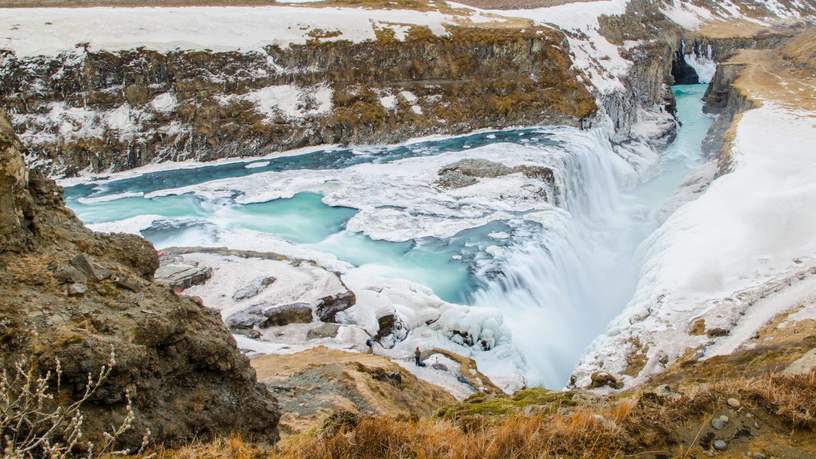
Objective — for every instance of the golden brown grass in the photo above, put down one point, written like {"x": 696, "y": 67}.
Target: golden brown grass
{"x": 603, "y": 429}
{"x": 631, "y": 423}
{"x": 233, "y": 447}
{"x": 784, "y": 76}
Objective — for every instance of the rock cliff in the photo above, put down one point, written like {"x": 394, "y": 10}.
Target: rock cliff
{"x": 72, "y": 295}
{"x": 101, "y": 110}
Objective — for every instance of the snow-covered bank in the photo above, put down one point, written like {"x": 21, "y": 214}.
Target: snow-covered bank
{"x": 750, "y": 234}
{"x": 593, "y": 53}
{"x": 214, "y": 28}
{"x": 693, "y": 15}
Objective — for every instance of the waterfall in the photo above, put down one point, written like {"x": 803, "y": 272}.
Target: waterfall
{"x": 560, "y": 287}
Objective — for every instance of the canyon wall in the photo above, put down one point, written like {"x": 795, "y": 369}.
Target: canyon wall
{"x": 113, "y": 111}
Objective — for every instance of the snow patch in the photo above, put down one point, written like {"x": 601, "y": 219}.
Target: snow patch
{"x": 164, "y": 103}
{"x": 290, "y": 102}
{"x": 50, "y": 31}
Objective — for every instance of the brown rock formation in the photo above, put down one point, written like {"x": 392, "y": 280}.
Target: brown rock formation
{"x": 313, "y": 384}
{"x": 70, "y": 294}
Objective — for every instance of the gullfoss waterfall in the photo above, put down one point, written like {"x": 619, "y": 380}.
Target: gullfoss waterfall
{"x": 543, "y": 268}
{"x": 559, "y": 289}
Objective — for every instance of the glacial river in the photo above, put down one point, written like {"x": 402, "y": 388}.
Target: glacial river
{"x": 557, "y": 285}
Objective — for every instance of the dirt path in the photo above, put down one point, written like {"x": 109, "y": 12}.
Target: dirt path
{"x": 786, "y": 76}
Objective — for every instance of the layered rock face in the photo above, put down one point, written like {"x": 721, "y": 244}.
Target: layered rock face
{"x": 102, "y": 110}
{"x": 648, "y": 82}
{"x": 72, "y": 295}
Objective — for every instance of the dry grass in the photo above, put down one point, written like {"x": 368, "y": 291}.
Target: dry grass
{"x": 233, "y": 447}
{"x": 605, "y": 428}
{"x": 633, "y": 423}
{"x": 731, "y": 29}
{"x": 786, "y": 76}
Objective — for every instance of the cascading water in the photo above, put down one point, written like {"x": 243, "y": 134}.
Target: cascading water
{"x": 560, "y": 288}
{"x": 558, "y": 274}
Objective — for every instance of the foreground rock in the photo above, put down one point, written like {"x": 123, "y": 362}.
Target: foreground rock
{"x": 70, "y": 294}
{"x": 313, "y": 384}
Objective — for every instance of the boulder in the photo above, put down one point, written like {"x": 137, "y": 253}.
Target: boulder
{"x": 252, "y": 289}
{"x": 324, "y": 330}
{"x": 720, "y": 445}
{"x": 89, "y": 268}
{"x": 604, "y": 379}
{"x": 77, "y": 289}
{"x": 247, "y": 318}
{"x": 68, "y": 274}
{"x": 461, "y": 337}
{"x": 328, "y": 307}
{"x": 182, "y": 275}
{"x": 265, "y": 315}
{"x": 287, "y": 314}
{"x": 804, "y": 365}
{"x": 132, "y": 283}
{"x": 391, "y": 330}
{"x": 439, "y": 366}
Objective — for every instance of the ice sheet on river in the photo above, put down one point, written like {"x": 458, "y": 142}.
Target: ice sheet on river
{"x": 401, "y": 201}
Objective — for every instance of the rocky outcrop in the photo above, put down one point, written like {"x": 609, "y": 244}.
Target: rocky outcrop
{"x": 647, "y": 84}
{"x": 313, "y": 384}
{"x": 263, "y": 316}
{"x": 604, "y": 379}
{"x": 182, "y": 275}
{"x": 72, "y": 295}
{"x": 103, "y": 110}
{"x": 327, "y": 308}
{"x": 727, "y": 103}
{"x": 467, "y": 172}
{"x": 288, "y": 314}
{"x": 720, "y": 49}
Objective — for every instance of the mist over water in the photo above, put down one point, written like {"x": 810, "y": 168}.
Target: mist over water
{"x": 560, "y": 289}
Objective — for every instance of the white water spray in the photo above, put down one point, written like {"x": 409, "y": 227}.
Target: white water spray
{"x": 559, "y": 289}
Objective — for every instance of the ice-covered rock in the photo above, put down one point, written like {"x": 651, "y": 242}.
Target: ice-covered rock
{"x": 324, "y": 330}
{"x": 328, "y": 307}
{"x": 253, "y": 288}
{"x": 264, "y": 315}
{"x": 182, "y": 275}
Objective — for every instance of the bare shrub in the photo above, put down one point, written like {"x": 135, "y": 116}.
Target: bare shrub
{"x": 34, "y": 423}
